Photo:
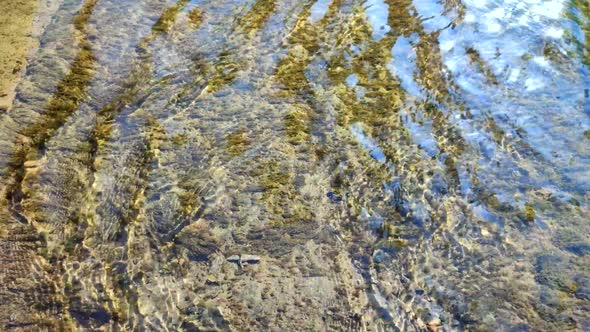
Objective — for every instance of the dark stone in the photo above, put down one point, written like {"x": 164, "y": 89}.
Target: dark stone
{"x": 100, "y": 316}
{"x": 582, "y": 287}
{"x": 438, "y": 185}
{"x": 579, "y": 249}
{"x": 334, "y": 198}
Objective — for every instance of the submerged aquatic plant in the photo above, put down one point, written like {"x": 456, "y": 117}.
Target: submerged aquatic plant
{"x": 270, "y": 165}
{"x": 297, "y": 125}
{"x": 168, "y": 17}
{"x": 195, "y": 17}
{"x": 257, "y": 16}
{"x": 237, "y": 142}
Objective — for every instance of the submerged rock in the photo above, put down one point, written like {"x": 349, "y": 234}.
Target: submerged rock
{"x": 244, "y": 259}
{"x": 434, "y": 325}
{"x": 233, "y": 259}
{"x": 250, "y": 259}
{"x": 212, "y": 280}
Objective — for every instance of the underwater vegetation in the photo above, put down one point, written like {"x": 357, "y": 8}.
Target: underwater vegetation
{"x": 322, "y": 165}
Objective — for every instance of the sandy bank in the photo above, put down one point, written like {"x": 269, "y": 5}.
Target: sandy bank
{"x": 21, "y": 23}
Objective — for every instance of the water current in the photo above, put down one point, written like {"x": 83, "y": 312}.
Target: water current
{"x": 299, "y": 165}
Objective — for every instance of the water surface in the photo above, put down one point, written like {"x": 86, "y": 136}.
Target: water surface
{"x": 300, "y": 165}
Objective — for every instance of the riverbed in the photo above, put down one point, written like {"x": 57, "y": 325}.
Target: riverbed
{"x": 293, "y": 165}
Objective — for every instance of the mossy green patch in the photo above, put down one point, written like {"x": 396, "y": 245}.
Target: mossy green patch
{"x": 128, "y": 94}
{"x": 84, "y": 15}
{"x": 223, "y": 73}
{"x": 257, "y": 16}
{"x": 298, "y": 125}
{"x": 237, "y": 142}
{"x": 272, "y": 176}
{"x": 527, "y": 57}
{"x": 70, "y": 93}
{"x": 190, "y": 200}
{"x": 476, "y": 59}
{"x": 179, "y": 139}
{"x": 291, "y": 69}
{"x": 73, "y": 241}
{"x": 280, "y": 195}
{"x": 529, "y": 212}
{"x": 497, "y": 132}
{"x": 168, "y": 17}
{"x": 195, "y": 17}
{"x": 583, "y": 21}
{"x": 387, "y": 230}
{"x": 305, "y": 42}
{"x": 552, "y": 53}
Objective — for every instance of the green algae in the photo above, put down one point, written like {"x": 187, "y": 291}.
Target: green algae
{"x": 297, "y": 125}
{"x": 279, "y": 193}
{"x": 193, "y": 207}
{"x": 237, "y": 142}
{"x": 273, "y": 176}
{"x": 387, "y": 230}
{"x": 430, "y": 66}
{"x": 226, "y": 68}
{"x": 258, "y": 14}
{"x": 70, "y": 93}
{"x": 582, "y": 19}
{"x": 195, "y": 17}
{"x": 552, "y": 53}
{"x": 493, "y": 202}
{"x": 224, "y": 72}
{"x": 72, "y": 90}
{"x": 72, "y": 242}
{"x": 84, "y": 15}
{"x": 290, "y": 71}
{"x": 497, "y": 132}
{"x": 168, "y": 17}
{"x": 304, "y": 40}
{"x": 529, "y": 212}
{"x": 180, "y": 139}
{"x": 132, "y": 91}
{"x": 476, "y": 59}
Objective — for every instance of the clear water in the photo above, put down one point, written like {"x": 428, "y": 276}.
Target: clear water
{"x": 391, "y": 165}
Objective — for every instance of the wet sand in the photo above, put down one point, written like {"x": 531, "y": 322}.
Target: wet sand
{"x": 16, "y": 23}
{"x": 21, "y": 23}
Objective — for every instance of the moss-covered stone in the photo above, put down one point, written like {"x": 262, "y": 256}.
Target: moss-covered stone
{"x": 529, "y": 212}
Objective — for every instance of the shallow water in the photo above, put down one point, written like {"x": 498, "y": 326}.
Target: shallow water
{"x": 300, "y": 165}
